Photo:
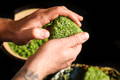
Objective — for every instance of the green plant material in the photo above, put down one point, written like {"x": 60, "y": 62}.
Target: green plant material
{"x": 87, "y": 72}
{"x": 63, "y": 27}
{"x": 95, "y": 74}
{"x": 59, "y": 28}
{"x": 28, "y": 49}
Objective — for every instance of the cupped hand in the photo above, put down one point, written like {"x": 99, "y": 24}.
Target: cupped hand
{"x": 29, "y": 27}
{"x": 56, "y": 54}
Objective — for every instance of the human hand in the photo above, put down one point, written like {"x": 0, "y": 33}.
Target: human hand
{"x": 55, "y": 55}
{"x": 29, "y": 27}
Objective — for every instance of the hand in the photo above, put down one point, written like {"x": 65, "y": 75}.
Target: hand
{"x": 28, "y": 28}
{"x": 54, "y": 55}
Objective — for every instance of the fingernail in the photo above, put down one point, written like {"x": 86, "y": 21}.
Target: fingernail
{"x": 81, "y": 18}
{"x": 86, "y": 35}
{"x": 44, "y": 34}
{"x": 79, "y": 24}
{"x": 47, "y": 34}
{"x": 41, "y": 33}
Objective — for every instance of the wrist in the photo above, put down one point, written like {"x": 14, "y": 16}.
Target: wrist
{"x": 27, "y": 73}
{"x": 6, "y": 29}
{"x": 34, "y": 73}
{"x": 37, "y": 68}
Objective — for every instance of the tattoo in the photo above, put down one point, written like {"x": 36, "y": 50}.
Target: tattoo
{"x": 26, "y": 75}
{"x": 31, "y": 76}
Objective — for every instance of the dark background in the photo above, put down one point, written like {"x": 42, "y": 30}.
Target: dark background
{"x": 100, "y": 20}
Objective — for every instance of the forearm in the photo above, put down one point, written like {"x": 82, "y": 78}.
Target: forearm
{"x": 5, "y": 31}
{"x": 31, "y": 71}
{"x": 27, "y": 74}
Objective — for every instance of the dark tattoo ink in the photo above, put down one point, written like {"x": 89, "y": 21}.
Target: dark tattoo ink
{"x": 26, "y": 75}
{"x": 31, "y": 76}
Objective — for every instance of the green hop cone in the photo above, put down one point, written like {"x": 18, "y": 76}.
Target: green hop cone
{"x": 63, "y": 27}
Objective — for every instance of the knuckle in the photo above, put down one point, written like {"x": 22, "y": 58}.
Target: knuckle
{"x": 40, "y": 16}
{"x": 63, "y": 7}
{"x": 43, "y": 19}
{"x": 60, "y": 7}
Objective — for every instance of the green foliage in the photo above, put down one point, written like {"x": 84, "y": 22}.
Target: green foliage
{"x": 95, "y": 74}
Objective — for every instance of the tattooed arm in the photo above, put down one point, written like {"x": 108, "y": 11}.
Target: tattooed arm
{"x": 27, "y": 74}
{"x": 55, "y": 54}
{"x": 51, "y": 58}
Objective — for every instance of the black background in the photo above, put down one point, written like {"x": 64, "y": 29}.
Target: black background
{"x": 100, "y": 20}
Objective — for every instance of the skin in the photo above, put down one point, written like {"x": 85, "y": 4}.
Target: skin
{"x": 31, "y": 24}
{"x": 50, "y": 57}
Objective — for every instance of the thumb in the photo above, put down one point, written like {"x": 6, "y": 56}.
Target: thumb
{"x": 75, "y": 39}
{"x": 38, "y": 33}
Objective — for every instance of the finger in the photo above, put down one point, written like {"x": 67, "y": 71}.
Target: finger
{"x": 71, "y": 16}
{"x": 72, "y": 53}
{"x": 63, "y": 11}
{"x": 38, "y": 33}
{"x": 75, "y": 39}
{"x": 77, "y": 49}
{"x": 70, "y": 61}
{"x": 66, "y": 64}
{"x": 75, "y": 52}
{"x": 77, "y": 15}
{"x": 74, "y": 16}
{"x": 75, "y": 19}
{"x": 35, "y": 33}
{"x": 80, "y": 18}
